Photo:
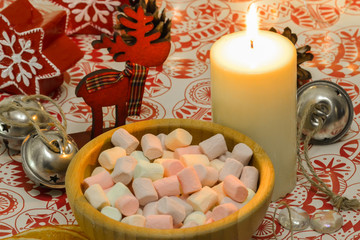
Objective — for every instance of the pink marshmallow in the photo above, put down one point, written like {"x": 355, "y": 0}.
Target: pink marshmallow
{"x": 151, "y": 146}
{"x": 122, "y": 138}
{"x": 249, "y": 177}
{"x": 127, "y": 205}
{"x": 210, "y": 220}
{"x": 242, "y": 153}
{"x": 223, "y": 210}
{"x": 159, "y": 222}
{"x": 150, "y": 209}
{"x": 231, "y": 167}
{"x": 189, "y": 180}
{"x": 214, "y": 146}
{"x": 124, "y": 170}
{"x": 103, "y": 178}
{"x": 193, "y": 149}
{"x": 235, "y": 189}
{"x": 144, "y": 190}
{"x": 172, "y": 167}
{"x": 168, "y": 186}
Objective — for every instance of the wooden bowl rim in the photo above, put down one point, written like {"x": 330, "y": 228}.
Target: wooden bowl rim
{"x": 78, "y": 201}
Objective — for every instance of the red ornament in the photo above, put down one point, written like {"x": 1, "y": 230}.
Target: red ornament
{"x": 34, "y": 50}
{"x": 90, "y": 16}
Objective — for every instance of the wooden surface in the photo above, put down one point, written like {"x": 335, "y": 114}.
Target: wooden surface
{"x": 240, "y": 225}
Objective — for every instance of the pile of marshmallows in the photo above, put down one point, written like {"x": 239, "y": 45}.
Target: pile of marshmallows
{"x": 171, "y": 183}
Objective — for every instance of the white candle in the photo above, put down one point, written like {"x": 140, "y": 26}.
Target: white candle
{"x": 253, "y": 90}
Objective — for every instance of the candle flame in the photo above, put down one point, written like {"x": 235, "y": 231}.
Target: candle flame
{"x": 252, "y": 24}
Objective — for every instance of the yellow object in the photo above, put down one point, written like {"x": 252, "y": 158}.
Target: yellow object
{"x": 240, "y": 225}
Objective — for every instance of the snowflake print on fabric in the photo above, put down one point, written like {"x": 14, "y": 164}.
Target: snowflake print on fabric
{"x": 22, "y": 62}
{"x": 97, "y": 14}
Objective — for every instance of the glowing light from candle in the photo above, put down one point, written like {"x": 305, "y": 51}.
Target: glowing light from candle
{"x": 252, "y": 24}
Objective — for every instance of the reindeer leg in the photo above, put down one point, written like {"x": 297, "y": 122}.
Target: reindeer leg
{"x": 97, "y": 121}
{"x": 121, "y": 114}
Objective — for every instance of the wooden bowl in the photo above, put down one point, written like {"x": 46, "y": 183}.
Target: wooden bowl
{"x": 239, "y": 225}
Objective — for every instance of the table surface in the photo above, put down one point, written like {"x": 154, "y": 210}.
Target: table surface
{"x": 181, "y": 89}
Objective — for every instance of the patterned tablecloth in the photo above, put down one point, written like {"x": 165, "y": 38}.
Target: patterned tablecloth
{"x": 181, "y": 89}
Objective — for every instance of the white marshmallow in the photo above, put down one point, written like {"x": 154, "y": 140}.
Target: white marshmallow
{"x": 168, "y": 206}
{"x": 96, "y": 196}
{"x": 203, "y": 200}
{"x": 242, "y": 153}
{"x": 196, "y": 216}
{"x": 124, "y": 170}
{"x": 108, "y": 157}
{"x": 97, "y": 170}
{"x": 224, "y": 156}
{"x": 178, "y": 138}
{"x": 144, "y": 190}
{"x": 214, "y": 146}
{"x": 139, "y": 156}
{"x": 135, "y": 220}
{"x": 162, "y": 137}
{"x": 151, "y": 146}
{"x": 150, "y": 209}
{"x": 231, "y": 167}
{"x": 116, "y": 191}
{"x": 188, "y": 208}
{"x": 192, "y": 159}
{"x": 249, "y": 177}
{"x": 124, "y": 139}
{"x": 154, "y": 171}
{"x": 112, "y": 212}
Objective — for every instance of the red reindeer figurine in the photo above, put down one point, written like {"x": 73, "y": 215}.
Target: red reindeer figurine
{"x": 144, "y": 42}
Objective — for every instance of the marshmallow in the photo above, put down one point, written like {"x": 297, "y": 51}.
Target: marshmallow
{"x": 96, "y": 196}
{"x": 172, "y": 167}
{"x": 193, "y": 149}
{"x": 188, "y": 208}
{"x": 224, "y": 156}
{"x": 124, "y": 170}
{"x": 223, "y": 210}
{"x": 150, "y": 209}
{"x": 249, "y": 177}
{"x": 208, "y": 175}
{"x": 189, "y": 180}
{"x": 242, "y": 153}
{"x": 97, "y": 170}
{"x": 135, "y": 220}
{"x": 210, "y": 220}
{"x": 151, "y": 146}
{"x": 139, "y": 211}
{"x": 203, "y": 200}
{"x": 196, "y": 216}
{"x": 169, "y": 206}
{"x": 219, "y": 189}
{"x": 127, "y": 205}
{"x": 178, "y": 138}
{"x": 192, "y": 159}
{"x": 111, "y": 212}
{"x": 251, "y": 194}
{"x": 231, "y": 167}
{"x": 124, "y": 139}
{"x": 214, "y": 146}
{"x": 107, "y": 158}
{"x": 139, "y": 156}
{"x": 144, "y": 190}
{"x": 159, "y": 222}
{"x": 216, "y": 163}
{"x": 168, "y": 154}
{"x": 168, "y": 186}
{"x": 235, "y": 189}
{"x": 103, "y": 178}
{"x": 162, "y": 137}
{"x": 190, "y": 224}
{"x": 154, "y": 171}
{"x": 209, "y": 215}
{"x": 116, "y": 191}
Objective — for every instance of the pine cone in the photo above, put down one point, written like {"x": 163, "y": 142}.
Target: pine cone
{"x": 161, "y": 24}
{"x": 303, "y": 55}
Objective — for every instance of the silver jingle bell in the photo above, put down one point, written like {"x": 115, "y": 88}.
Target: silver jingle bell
{"x": 44, "y": 166}
{"x": 332, "y": 104}
{"x": 13, "y": 136}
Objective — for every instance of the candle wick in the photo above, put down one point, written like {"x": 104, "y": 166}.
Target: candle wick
{"x": 252, "y": 43}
